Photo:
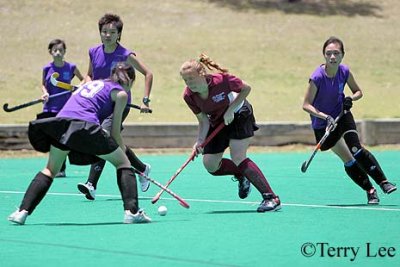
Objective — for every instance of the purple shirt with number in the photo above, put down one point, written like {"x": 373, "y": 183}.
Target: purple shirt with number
{"x": 66, "y": 75}
{"x": 330, "y": 95}
{"x": 221, "y": 89}
{"x": 91, "y": 102}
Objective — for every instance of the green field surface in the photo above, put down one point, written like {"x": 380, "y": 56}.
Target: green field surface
{"x": 324, "y": 217}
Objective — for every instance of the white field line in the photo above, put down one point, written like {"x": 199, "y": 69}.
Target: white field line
{"x": 378, "y": 208}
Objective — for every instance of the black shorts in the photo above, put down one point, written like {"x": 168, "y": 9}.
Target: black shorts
{"x": 346, "y": 123}
{"x": 83, "y": 139}
{"x": 106, "y": 124}
{"x": 45, "y": 115}
{"x": 243, "y": 126}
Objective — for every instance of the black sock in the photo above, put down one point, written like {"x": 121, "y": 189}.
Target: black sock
{"x": 135, "y": 161}
{"x": 35, "y": 192}
{"x": 127, "y": 186}
{"x": 95, "y": 172}
{"x": 358, "y": 176}
{"x": 370, "y": 165}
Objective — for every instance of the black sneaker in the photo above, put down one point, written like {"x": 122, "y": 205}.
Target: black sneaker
{"x": 388, "y": 187}
{"x": 270, "y": 203}
{"x": 244, "y": 186}
{"x": 372, "y": 197}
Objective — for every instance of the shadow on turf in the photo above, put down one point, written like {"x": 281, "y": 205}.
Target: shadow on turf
{"x": 360, "y": 205}
{"x": 311, "y": 7}
{"x": 230, "y": 211}
{"x": 78, "y": 224}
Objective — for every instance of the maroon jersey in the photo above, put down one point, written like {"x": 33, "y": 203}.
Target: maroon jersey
{"x": 222, "y": 90}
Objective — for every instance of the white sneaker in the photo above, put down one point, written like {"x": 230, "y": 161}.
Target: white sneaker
{"x": 138, "y": 217}
{"x": 18, "y": 216}
{"x": 144, "y": 183}
{"x": 88, "y": 190}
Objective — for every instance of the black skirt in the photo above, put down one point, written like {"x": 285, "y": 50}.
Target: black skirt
{"x": 84, "y": 140}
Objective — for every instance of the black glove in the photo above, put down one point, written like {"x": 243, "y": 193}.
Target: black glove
{"x": 347, "y": 103}
{"x": 330, "y": 122}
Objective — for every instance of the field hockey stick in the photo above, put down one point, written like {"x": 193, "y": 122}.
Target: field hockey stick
{"x": 191, "y": 158}
{"x": 67, "y": 86}
{"x": 180, "y": 200}
{"x": 31, "y": 103}
{"x": 328, "y": 130}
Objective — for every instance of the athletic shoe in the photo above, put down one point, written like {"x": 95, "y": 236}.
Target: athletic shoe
{"x": 388, "y": 187}
{"x": 372, "y": 197}
{"x": 244, "y": 187}
{"x": 88, "y": 190}
{"x": 61, "y": 175}
{"x": 144, "y": 183}
{"x": 269, "y": 203}
{"x": 138, "y": 217}
{"x": 18, "y": 216}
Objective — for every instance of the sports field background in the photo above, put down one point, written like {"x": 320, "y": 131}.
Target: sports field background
{"x": 272, "y": 44}
{"x": 219, "y": 229}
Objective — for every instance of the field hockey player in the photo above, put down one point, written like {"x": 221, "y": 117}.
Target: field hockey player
{"x": 76, "y": 132}
{"x": 221, "y": 97}
{"x": 325, "y": 100}
{"x": 102, "y": 58}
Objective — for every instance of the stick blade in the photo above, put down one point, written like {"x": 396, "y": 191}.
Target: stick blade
{"x": 184, "y": 204}
{"x": 304, "y": 167}
{"x": 155, "y": 199}
{"x": 5, "y": 107}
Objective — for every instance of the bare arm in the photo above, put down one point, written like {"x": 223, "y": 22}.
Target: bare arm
{"x": 309, "y": 99}
{"x": 204, "y": 126}
{"x": 89, "y": 75}
{"x": 121, "y": 99}
{"x": 78, "y": 74}
{"x": 45, "y": 93}
{"x": 143, "y": 69}
{"x": 355, "y": 89}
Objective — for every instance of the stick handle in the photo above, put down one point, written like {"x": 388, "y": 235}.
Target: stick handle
{"x": 137, "y": 107}
{"x": 191, "y": 157}
{"x": 330, "y": 129}
{"x": 31, "y": 103}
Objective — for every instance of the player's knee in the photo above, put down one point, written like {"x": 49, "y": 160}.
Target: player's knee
{"x": 210, "y": 164}
{"x": 352, "y": 141}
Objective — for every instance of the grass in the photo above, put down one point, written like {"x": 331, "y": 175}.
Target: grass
{"x": 272, "y": 44}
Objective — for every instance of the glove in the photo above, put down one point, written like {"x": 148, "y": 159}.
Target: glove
{"x": 347, "y": 103}
{"x": 330, "y": 122}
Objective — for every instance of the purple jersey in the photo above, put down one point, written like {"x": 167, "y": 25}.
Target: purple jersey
{"x": 66, "y": 75}
{"x": 91, "y": 102}
{"x": 221, "y": 92}
{"x": 103, "y": 62}
{"x": 330, "y": 95}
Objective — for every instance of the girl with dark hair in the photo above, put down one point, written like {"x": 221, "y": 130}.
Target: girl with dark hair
{"x": 76, "y": 132}
{"x": 57, "y": 49}
{"x": 325, "y": 100}
{"x": 102, "y": 58}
